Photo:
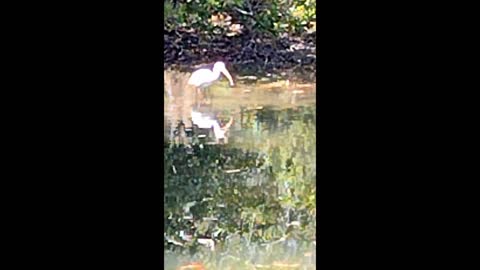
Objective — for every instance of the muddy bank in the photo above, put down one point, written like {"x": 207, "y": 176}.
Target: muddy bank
{"x": 245, "y": 54}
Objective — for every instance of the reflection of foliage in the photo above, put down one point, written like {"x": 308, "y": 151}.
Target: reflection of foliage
{"x": 290, "y": 147}
{"x": 202, "y": 176}
{"x": 274, "y": 16}
{"x": 240, "y": 197}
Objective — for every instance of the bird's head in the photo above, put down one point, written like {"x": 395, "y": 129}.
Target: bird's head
{"x": 220, "y": 67}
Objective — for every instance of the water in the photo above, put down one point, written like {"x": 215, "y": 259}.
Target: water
{"x": 251, "y": 177}
{"x": 223, "y": 102}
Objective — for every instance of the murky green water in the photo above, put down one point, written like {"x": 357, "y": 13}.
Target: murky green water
{"x": 251, "y": 192}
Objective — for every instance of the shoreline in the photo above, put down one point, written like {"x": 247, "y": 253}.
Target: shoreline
{"x": 245, "y": 54}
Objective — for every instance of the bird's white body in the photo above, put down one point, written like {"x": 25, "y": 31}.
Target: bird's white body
{"x": 204, "y": 77}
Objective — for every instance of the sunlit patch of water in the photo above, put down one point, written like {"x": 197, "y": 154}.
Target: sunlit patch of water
{"x": 221, "y": 100}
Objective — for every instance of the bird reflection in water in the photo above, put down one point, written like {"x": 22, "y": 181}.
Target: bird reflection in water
{"x": 201, "y": 127}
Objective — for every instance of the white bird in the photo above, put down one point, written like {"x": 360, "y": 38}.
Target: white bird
{"x": 204, "y": 77}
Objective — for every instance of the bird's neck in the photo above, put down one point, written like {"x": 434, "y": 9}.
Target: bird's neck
{"x": 216, "y": 73}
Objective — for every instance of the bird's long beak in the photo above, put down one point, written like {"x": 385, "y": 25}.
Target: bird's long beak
{"x": 229, "y": 77}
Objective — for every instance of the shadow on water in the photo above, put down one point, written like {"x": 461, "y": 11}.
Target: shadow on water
{"x": 246, "y": 201}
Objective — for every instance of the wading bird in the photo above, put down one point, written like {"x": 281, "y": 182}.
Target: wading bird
{"x": 205, "y": 77}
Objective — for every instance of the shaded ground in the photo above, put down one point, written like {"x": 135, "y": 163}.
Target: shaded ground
{"x": 245, "y": 54}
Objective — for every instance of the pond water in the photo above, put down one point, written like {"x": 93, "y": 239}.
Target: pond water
{"x": 240, "y": 172}
{"x": 265, "y": 99}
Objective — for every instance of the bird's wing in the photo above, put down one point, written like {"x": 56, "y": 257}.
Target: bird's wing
{"x": 198, "y": 77}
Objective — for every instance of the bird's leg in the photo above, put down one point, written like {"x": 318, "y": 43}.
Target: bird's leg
{"x": 202, "y": 92}
{"x": 208, "y": 96}
{"x": 204, "y": 96}
{"x": 197, "y": 102}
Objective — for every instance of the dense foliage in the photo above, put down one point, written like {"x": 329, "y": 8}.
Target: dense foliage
{"x": 218, "y": 16}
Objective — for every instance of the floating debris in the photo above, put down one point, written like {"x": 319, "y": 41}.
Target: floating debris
{"x": 187, "y": 206}
{"x": 294, "y": 223}
{"x": 209, "y": 243}
{"x": 262, "y": 266}
{"x": 211, "y": 143}
{"x": 192, "y": 266}
{"x": 172, "y": 241}
{"x": 233, "y": 171}
{"x": 251, "y": 78}
{"x": 286, "y": 265}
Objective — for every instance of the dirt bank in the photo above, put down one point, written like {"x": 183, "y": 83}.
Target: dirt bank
{"x": 245, "y": 54}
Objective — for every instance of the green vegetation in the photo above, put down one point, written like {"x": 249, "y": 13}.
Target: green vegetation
{"x": 255, "y": 197}
{"x": 227, "y": 17}
{"x": 252, "y": 196}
